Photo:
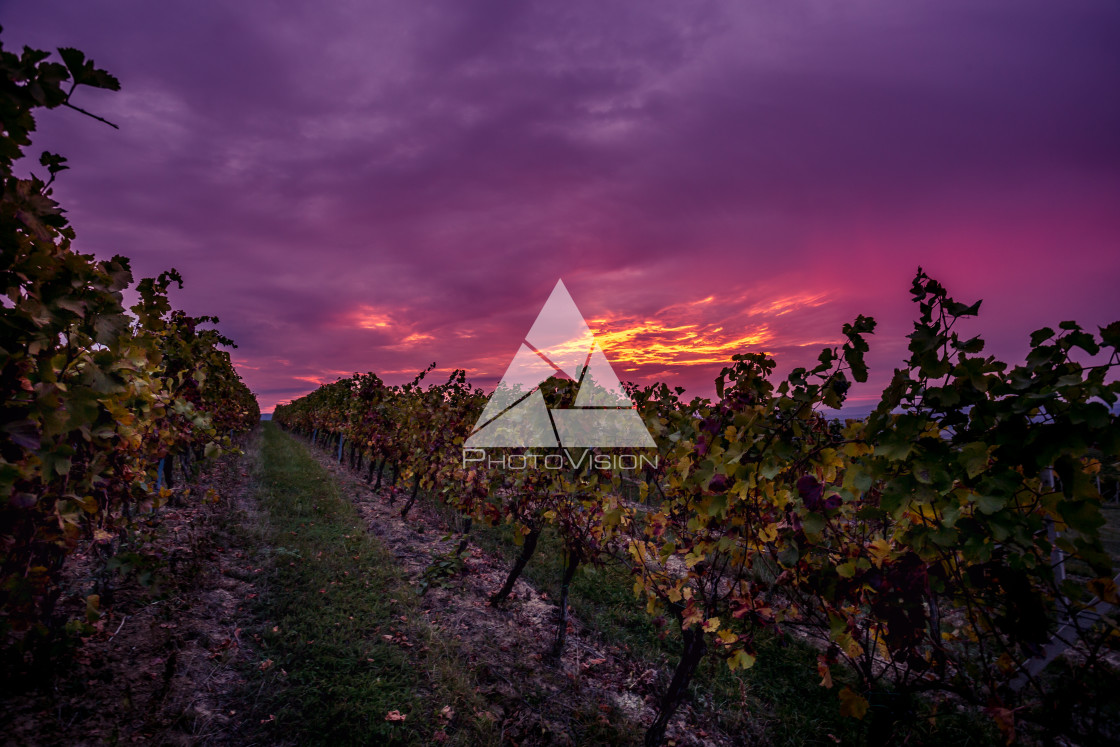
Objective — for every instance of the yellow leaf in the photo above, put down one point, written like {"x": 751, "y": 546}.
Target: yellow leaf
{"x": 1105, "y": 588}
{"x": 850, "y": 645}
{"x": 852, "y": 703}
{"x": 856, "y": 449}
{"x": 93, "y": 608}
{"x": 740, "y": 660}
{"x": 880, "y": 550}
{"x": 711, "y": 625}
{"x": 727, "y": 637}
{"x": 692, "y": 618}
{"x": 674, "y": 594}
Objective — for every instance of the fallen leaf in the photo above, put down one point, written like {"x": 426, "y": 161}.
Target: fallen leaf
{"x": 852, "y": 703}
{"x": 1005, "y": 721}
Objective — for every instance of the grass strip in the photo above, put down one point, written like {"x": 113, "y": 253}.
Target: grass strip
{"x": 343, "y": 641}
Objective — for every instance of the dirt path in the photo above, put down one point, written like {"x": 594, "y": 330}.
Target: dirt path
{"x": 535, "y": 702}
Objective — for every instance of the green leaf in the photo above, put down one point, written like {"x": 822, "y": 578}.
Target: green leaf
{"x": 895, "y": 449}
{"x": 990, "y": 504}
{"x": 974, "y": 458}
{"x": 1084, "y": 516}
{"x": 812, "y": 523}
{"x": 717, "y": 505}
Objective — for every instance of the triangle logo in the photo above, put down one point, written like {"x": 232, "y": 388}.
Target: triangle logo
{"x": 559, "y": 341}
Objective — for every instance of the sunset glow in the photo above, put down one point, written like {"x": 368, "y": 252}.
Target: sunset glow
{"x": 366, "y": 317}
{"x": 651, "y": 344}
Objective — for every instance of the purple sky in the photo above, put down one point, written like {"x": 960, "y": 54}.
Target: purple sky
{"x": 374, "y": 186}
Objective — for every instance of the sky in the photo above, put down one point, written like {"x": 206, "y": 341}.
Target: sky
{"x": 374, "y": 186}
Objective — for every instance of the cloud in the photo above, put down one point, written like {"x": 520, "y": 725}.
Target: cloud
{"x": 443, "y": 164}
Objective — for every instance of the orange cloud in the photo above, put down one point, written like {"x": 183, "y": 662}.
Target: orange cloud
{"x": 380, "y": 320}
{"x": 367, "y": 317}
{"x": 707, "y": 331}
{"x": 651, "y": 342}
{"x": 327, "y": 376}
{"x": 411, "y": 340}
